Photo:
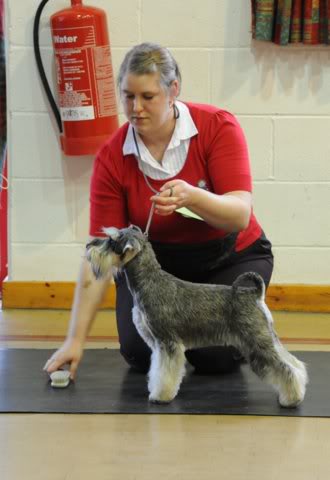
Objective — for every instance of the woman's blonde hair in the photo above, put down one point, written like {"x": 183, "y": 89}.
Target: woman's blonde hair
{"x": 150, "y": 58}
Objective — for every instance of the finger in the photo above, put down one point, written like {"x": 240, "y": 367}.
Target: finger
{"x": 165, "y": 209}
{"x": 54, "y": 365}
{"x": 165, "y": 200}
{"x": 166, "y": 206}
{"x": 73, "y": 369}
{"x": 169, "y": 185}
{"x": 171, "y": 190}
{"x": 165, "y": 194}
{"x": 48, "y": 363}
{"x": 164, "y": 214}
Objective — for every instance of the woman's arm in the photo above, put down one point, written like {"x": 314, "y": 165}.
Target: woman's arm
{"x": 88, "y": 296}
{"x": 230, "y": 211}
{"x": 227, "y": 166}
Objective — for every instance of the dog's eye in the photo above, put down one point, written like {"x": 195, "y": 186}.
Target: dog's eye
{"x": 118, "y": 249}
{"x": 115, "y": 246}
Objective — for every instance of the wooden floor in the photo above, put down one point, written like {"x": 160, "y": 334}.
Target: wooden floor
{"x": 136, "y": 447}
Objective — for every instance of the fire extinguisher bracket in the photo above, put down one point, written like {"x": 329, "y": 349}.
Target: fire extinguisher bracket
{"x": 87, "y": 112}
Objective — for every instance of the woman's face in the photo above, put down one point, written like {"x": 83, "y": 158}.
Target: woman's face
{"x": 147, "y": 104}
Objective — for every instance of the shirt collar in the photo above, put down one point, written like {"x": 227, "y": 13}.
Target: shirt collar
{"x": 184, "y": 128}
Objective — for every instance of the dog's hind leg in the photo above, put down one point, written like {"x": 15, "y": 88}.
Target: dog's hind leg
{"x": 269, "y": 359}
{"x": 287, "y": 377}
{"x": 282, "y": 351}
{"x": 296, "y": 388}
{"x": 166, "y": 372}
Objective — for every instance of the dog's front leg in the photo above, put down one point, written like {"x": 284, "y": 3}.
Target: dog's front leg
{"x": 166, "y": 372}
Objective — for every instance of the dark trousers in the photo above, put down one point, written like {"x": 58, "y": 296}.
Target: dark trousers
{"x": 256, "y": 258}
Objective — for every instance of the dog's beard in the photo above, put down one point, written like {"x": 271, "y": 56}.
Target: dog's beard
{"x": 101, "y": 263}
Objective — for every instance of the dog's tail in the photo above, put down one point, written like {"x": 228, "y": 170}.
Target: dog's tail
{"x": 250, "y": 281}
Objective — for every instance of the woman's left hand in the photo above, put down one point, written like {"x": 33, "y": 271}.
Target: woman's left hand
{"x": 173, "y": 194}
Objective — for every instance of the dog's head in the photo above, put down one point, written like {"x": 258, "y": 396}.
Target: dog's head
{"x": 116, "y": 250}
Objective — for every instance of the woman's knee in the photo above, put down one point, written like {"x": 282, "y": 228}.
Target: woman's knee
{"x": 214, "y": 360}
{"x": 136, "y": 357}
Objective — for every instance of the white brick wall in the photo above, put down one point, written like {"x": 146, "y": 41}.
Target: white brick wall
{"x": 280, "y": 95}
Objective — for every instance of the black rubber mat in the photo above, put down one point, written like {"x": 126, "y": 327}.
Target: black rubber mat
{"x": 105, "y": 384}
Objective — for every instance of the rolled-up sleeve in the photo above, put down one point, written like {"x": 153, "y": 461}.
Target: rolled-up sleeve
{"x": 107, "y": 197}
{"x": 227, "y": 155}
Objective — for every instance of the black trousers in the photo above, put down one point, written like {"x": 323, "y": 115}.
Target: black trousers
{"x": 222, "y": 359}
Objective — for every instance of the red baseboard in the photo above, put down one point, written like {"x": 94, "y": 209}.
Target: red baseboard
{"x": 3, "y": 229}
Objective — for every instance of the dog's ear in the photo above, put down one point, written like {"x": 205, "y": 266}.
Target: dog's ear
{"x": 128, "y": 247}
{"x": 136, "y": 228}
{"x": 132, "y": 246}
{"x": 111, "y": 232}
{"x": 130, "y": 250}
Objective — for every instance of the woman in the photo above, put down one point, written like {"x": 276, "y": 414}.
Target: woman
{"x": 171, "y": 155}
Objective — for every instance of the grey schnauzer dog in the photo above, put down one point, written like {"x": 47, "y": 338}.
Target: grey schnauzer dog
{"x": 173, "y": 315}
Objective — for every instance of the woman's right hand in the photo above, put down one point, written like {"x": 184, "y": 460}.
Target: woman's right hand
{"x": 70, "y": 352}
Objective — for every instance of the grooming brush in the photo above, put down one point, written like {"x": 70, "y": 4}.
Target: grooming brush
{"x": 60, "y": 378}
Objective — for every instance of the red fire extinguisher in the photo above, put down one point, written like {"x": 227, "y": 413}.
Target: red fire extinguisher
{"x": 87, "y": 112}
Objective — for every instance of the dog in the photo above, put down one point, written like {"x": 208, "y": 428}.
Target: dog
{"x": 173, "y": 315}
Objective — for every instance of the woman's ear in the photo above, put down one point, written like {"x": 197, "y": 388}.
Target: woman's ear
{"x": 174, "y": 90}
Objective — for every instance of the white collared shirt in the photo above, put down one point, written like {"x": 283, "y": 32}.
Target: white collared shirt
{"x": 175, "y": 154}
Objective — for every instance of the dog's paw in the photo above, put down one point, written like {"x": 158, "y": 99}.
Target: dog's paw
{"x": 161, "y": 400}
{"x": 290, "y": 403}
{"x": 155, "y": 401}
{"x": 292, "y": 399}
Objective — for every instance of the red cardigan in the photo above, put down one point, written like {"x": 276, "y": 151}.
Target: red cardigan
{"x": 217, "y": 156}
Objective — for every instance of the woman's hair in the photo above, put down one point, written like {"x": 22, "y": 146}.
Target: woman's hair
{"x": 150, "y": 58}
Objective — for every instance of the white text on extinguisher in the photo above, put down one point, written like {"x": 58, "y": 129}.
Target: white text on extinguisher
{"x": 65, "y": 39}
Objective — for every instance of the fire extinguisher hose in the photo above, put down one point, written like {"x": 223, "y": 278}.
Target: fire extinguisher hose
{"x": 41, "y": 67}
